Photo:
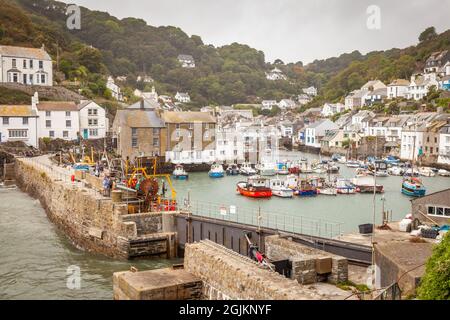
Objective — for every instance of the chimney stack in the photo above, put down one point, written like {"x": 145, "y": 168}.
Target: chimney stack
{"x": 142, "y": 104}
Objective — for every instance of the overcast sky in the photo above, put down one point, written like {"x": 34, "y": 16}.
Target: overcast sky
{"x": 292, "y": 30}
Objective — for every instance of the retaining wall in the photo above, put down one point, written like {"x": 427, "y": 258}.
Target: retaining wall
{"x": 93, "y": 222}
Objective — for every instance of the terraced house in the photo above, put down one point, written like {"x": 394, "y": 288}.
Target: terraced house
{"x": 190, "y": 137}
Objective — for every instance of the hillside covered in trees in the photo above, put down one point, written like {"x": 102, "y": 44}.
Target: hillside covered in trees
{"x": 227, "y": 75}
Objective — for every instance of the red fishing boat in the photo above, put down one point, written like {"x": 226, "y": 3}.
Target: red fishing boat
{"x": 255, "y": 187}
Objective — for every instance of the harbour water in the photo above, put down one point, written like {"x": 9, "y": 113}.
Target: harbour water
{"x": 350, "y": 210}
{"x": 35, "y": 256}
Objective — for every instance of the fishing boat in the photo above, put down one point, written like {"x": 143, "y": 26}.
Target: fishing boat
{"x": 366, "y": 184}
{"x": 396, "y": 171}
{"x": 254, "y": 187}
{"x": 232, "y": 170}
{"x": 266, "y": 169}
{"x": 305, "y": 167}
{"x": 392, "y": 160}
{"x": 378, "y": 168}
{"x": 292, "y": 181}
{"x": 216, "y": 171}
{"x": 444, "y": 173}
{"x": 426, "y": 172}
{"x": 411, "y": 173}
{"x": 319, "y": 169}
{"x": 179, "y": 173}
{"x": 413, "y": 187}
{"x": 247, "y": 169}
{"x": 345, "y": 186}
{"x": 306, "y": 188}
{"x": 282, "y": 169}
{"x": 280, "y": 189}
{"x": 327, "y": 190}
{"x": 353, "y": 164}
{"x": 332, "y": 168}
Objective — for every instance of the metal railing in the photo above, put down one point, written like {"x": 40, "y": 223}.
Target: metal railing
{"x": 58, "y": 173}
{"x": 264, "y": 219}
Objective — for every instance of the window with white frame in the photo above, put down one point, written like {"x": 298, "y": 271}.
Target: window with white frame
{"x": 18, "y": 133}
{"x": 92, "y": 122}
{"x": 5, "y": 120}
{"x": 48, "y": 123}
{"x": 65, "y": 134}
{"x": 48, "y": 113}
{"x": 438, "y": 211}
{"x": 67, "y": 113}
{"x": 93, "y": 132}
{"x": 92, "y": 112}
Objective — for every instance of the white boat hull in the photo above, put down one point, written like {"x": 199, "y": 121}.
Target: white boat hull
{"x": 283, "y": 193}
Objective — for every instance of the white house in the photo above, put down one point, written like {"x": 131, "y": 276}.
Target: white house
{"x": 287, "y": 104}
{"x": 311, "y": 91}
{"x": 317, "y": 130}
{"x": 360, "y": 120}
{"x": 397, "y": 89}
{"x": 373, "y": 85}
{"x": 19, "y": 123}
{"x": 186, "y": 61}
{"x": 303, "y": 99}
{"x": 268, "y": 104}
{"x": 330, "y": 109}
{"x": 355, "y": 99}
{"x": 93, "y": 121}
{"x": 29, "y": 66}
{"x": 114, "y": 88}
{"x": 444, "y": 145}
{"x": 275, "y": 74}
{"x": 183, "y": 97}
{"x": 286, "y": 128}
{"x": 57, "y": 119}
{"x": 420, "y": 85}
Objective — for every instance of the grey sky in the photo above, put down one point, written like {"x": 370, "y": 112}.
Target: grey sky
{"x": 293, "y": 30}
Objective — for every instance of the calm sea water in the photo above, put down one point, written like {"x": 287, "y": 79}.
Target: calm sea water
{"x": 35, "y": 256}
{"x": 351, "y": 210}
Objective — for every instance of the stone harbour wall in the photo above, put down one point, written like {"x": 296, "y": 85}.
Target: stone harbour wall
{"x": 228, "y": 275}
{"x": 307, "y": 263}
{"x": 91, "y": 221}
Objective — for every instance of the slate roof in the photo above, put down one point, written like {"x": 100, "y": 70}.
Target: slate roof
{"x": 188, "y": 117}
{"x": 57, "y": 106}
{"x": 16, "y": 111}
{"x": 139, "y": 119}
{"x": 23, "y": 52}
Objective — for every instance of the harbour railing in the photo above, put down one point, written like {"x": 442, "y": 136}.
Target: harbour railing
{"x": 264, "y": 218}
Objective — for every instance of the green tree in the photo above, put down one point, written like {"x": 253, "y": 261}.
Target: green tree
{"x": 428, "y": 34}
{"x": 435, "y": 284}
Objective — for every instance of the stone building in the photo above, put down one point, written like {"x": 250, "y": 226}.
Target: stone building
{"x": 433, "y": 208}
{"x": 139, "y": 131}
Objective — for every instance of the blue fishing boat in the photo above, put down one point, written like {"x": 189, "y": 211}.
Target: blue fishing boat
{"x": 216, "y": 171}
{"x": 306, "y": 189}
{"x": 179, "y": 173}
{"x": 413, "y": 187}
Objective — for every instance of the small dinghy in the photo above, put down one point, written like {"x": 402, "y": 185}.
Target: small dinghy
{"x": 232, "y": 170}
{"x": 216, "y": 171}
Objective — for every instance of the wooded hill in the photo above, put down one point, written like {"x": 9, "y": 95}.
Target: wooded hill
{"x": 225, "y": 75}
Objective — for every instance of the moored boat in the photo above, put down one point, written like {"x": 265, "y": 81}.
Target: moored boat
{"x": 396, "y": 171}
{"x": 232, "y": 170}
{"x": 306, "y": 188}
{"x": 366, "y": 184}
{"x": 344, "y": 186}
{"x": 266, "y": 169}
{"x": 444, "y": 173}
{"x": 179, "y": 173}
{"x": 282, "y": 168}
{"x": 280, "y": 189}
{"x": 216, "y": 171}
{"x": 254, "y": 187}
{"x": 413, "y": 187}
{"x": 353, "y": 164}
{"x": 247, "y": 169}
{"x": 327, "y": 191}
{"x": 426, "y": 172}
